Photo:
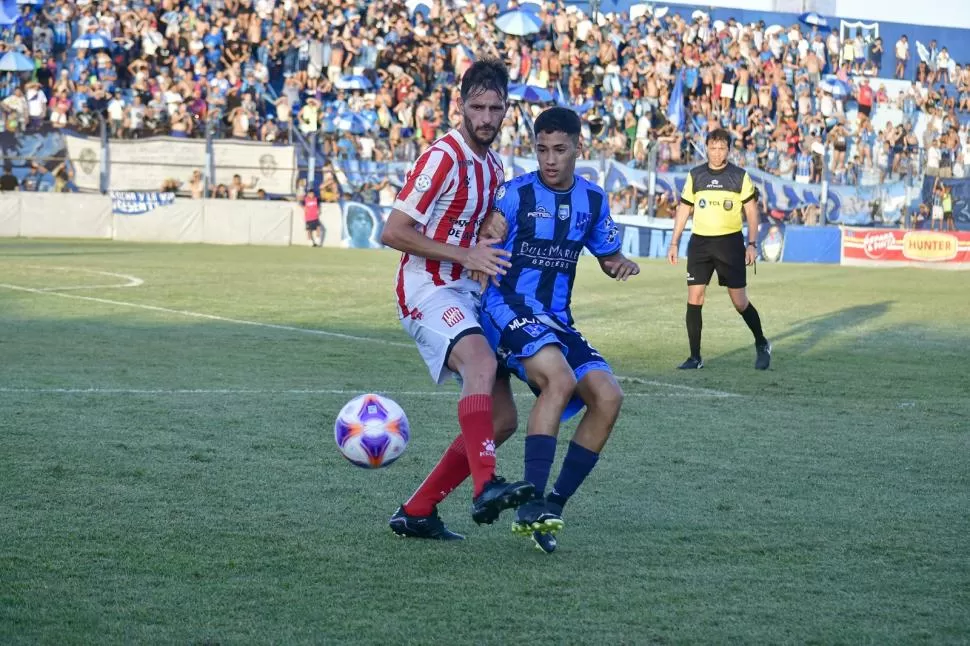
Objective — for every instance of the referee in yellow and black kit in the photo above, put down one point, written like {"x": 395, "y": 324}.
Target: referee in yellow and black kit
{"x": 717, "y": 192}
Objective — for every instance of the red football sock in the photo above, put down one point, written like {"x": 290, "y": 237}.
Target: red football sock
{"x": 475, "y": 419}
{"x": 451, "y": 471}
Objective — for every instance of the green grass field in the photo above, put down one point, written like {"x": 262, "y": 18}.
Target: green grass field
{"x": 168, "y": 472}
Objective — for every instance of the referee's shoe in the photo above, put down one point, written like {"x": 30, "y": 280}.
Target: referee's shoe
{"x": 692, "y": 363}
{"x": 763, "y": 359}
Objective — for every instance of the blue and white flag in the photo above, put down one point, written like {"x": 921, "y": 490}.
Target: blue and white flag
{"x": 138, "y": 203}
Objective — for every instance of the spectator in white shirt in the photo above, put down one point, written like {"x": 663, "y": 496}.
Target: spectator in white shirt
{"x": 36, "y": 104}
{"x": 902, "y": 56}
{"x": 116, "y": 114}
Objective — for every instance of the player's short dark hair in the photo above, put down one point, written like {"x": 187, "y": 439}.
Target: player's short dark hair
{"x": 559, "y": 119}
{"x": 720, "y": 134}
{"x": 484, "y": 75}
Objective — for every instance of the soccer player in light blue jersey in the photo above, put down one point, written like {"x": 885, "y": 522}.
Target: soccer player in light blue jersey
{"x": 552, "y": 214}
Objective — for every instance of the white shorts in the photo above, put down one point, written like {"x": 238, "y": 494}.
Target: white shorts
{"x": 442, "y": 319}
{"x": 937, "y": 212}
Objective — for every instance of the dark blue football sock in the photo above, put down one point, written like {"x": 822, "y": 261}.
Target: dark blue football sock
{"x": 540, "y": 450}
{"x": 577, "y": 465}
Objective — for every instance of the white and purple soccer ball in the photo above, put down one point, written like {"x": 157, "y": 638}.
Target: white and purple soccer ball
{"x": 372, "y": 431}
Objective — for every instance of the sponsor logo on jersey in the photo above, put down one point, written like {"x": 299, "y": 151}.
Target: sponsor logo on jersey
{"x": 416, "y": 314}
{"x": 422, "y": 183}
{"x": 702, "y": 203}
{"x": 521, "y": 322}
{"x": 452, "y": 316}
{"x": 540, "y": 212}
{"x": 582, "y": 219}
{"x": 553, "y": 256}
{"x": 534, "y": 330}
{"x": 714, "y": 184}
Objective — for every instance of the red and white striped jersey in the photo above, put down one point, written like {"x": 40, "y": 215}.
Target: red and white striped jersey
{"x": 449, "y": 191}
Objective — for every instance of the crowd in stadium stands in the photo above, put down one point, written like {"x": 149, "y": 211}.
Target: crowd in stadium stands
{"x": 273, "y": 71}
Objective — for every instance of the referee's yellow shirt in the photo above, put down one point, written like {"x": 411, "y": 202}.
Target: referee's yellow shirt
{"x": 717, "y": 197}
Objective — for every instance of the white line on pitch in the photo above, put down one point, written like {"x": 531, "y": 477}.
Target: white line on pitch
{"x": 210, "y": 317}
{"x": 287, "y": 391}
{"x": 664, "y": 384}
{"x": 337, "y": 335}
{"x": 132, "y": 281}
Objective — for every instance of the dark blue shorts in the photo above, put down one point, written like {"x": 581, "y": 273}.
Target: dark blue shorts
{"x": 523, "y": 337}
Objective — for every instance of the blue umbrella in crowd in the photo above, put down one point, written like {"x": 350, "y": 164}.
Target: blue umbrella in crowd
{"x": 519, "y": 23}
{"x": 91, "y": 41}
{"x": 835, "y": 86}
{"x": 814, "y": 19}
{"x": 353, "y": 123}
{"x": 354, "y": 83}
{"x": 530, "y": 94}
{"x": 16, "y": 62}
{"x": 419, "y": 6}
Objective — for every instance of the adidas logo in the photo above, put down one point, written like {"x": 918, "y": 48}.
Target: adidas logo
{"x": 488, "y": 449}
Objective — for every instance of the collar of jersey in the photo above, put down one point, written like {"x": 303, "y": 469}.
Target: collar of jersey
{"x": 719, "y": 170}
{"x": 468, "y": 149}
{"x": 555, "y": 190}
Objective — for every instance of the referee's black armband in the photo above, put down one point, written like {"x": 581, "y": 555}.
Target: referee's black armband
{"x": 753, "y": 196}
{"x": 684, "y": 200}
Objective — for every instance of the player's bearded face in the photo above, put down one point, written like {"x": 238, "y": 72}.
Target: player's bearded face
{"x": 482, "y": 114}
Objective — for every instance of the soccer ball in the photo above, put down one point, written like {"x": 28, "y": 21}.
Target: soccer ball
{"x": 371, "y": 431}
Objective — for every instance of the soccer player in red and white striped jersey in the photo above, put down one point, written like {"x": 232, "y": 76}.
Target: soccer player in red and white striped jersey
{"x": 435, "y": 223}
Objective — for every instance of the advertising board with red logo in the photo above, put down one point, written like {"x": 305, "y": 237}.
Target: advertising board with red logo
{"x": 901, "y": 248}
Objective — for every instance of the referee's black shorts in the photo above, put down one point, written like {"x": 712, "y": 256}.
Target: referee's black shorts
{"x": 724, "y": 254}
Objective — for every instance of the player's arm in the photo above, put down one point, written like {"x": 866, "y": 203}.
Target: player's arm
{"x": 603, "y": 242}
{"x": 749, "y": 199}
{"x": 680, "y": 222}
{"x": 618, "y": 266}
{"x": 494, "y": 227}
{"x": 401, "y": 233}
{"x": 684, "y": 210}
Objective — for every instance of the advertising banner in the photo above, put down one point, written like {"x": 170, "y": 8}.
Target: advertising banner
{"x": 901, "y": 248}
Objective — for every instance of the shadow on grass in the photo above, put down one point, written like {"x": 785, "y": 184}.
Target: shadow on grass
{"x": 808, "y": 333}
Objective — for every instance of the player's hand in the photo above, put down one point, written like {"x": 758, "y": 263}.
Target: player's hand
{"x": 494, "y": 226}
{"x": 481, "y": 278}
{"x": 750, "y": 256}
{"x": 621, "y": 268}
{"x": 485, "y": 258}
{"x": 672, "y": 253}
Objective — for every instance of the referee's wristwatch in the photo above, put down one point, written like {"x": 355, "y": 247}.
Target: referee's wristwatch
{"x": 753, "y": 244}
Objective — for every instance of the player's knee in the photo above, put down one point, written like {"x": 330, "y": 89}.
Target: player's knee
{"x": 607, "y": 398}
{"x": 559, "y": 385}
{"x": 478, "y": 371}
